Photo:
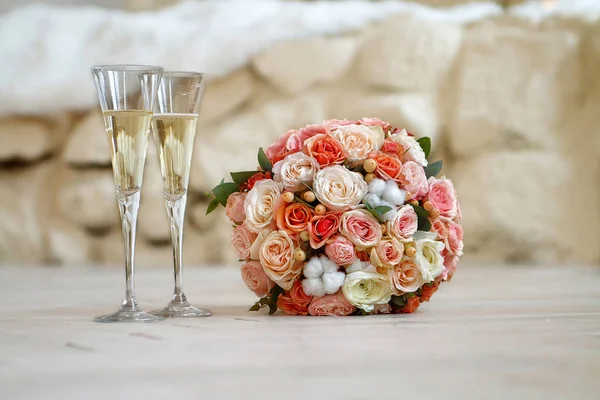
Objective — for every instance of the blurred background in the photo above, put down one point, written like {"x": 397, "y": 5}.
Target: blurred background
{"x": 508, "y": 90}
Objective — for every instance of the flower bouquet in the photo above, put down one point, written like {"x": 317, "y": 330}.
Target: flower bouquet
{"x": 342, "y": 218}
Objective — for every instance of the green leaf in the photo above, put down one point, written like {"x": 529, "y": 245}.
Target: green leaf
{"x": 380, "y": 210}
{"x": 398, "y": 301}
{"x": 224, "y": 190}
{"x": 409, "y": 295}
{"x": 425, "y": 143}
{"x": 212, "y": 206}
{"x": 422, "y": 215}
{"x": 299, "y": 200}
{"x": 433, "y": 169}
{"x": 263, "y": 161}
{"x": 242, "y": 176}
{"x": 255, "y": 307}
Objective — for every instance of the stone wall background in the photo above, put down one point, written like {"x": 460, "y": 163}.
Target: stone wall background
{"x": 512, "y": 107}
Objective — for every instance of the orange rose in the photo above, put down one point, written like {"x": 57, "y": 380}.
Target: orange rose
{"x": 411, "y": 306}
{"x": 388, "y": 166}
{"x": 428, "y": 290}
{"x": 294, "y": 302}
{"x": 322, "y": 227}
{"x": 294, "y": 217}
{"x": 325, "y": 149}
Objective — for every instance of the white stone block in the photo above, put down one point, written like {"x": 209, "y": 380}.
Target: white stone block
{"x": 87, "y": 143}
{"x": 24, "y": 139}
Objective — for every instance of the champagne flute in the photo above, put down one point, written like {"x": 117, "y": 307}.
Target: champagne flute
{"x": 174, "y": 126}
{"x": 126, "y": 94}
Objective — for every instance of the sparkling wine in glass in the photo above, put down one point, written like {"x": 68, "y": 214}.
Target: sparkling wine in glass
{"x": 127, "y": 94}
{"x": 174, "y": 126}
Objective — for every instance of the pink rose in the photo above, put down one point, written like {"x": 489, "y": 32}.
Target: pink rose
{"x": 278, "y": 150}
{"x": 242, "y": 240}
{"x": 235, "y": 207}
{"x": 373, "y": 121}
{"x": 414, "y": 180}
{"x": 361, "y": 228}
{"x": 455, "y": 238}
{"x": 404, "y": 224}
{"x": 255, "y": 278}
{"x": 331, "y": 304}
{"x": 334, "y": 123}
{"x": 443, "y": 196}
{"x": 340, "y": 250}
{"x": 450, "y": 262}
{"x": 296, "y": 141}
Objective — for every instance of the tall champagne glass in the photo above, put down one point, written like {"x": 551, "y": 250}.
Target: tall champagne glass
{"x": 174, "y": 126}
{"x": 126, "y": 94}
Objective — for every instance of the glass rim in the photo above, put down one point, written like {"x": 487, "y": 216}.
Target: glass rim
{"x": 127, "y": 68}
{"x": 178, "y": 74}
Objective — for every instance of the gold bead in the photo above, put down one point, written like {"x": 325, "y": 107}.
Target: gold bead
{"x": 308, "y": 196}
{"x": 304, "y": 236}
{"x": 369, "y": 177}
{"x": 299, "y": 255}
{"x": 427, "y": 205}
{"x": 434, "y": 213}
{"x": 370, "y": 165}
{"x": 410, "y": 251}
{"x": 288, "y": 197}
{"x": 320, "y": 209}
{"x": 414, "y": 202}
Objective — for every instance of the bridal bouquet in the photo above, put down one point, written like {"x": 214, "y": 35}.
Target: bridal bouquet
{"x": 343, "y": 218}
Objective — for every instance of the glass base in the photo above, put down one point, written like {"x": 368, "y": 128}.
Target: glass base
{"x": 176, "y": 309}
{"x": 129, "y": 315}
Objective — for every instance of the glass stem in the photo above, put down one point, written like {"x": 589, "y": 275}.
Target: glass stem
{"x": 128, "y": 207}
{"x": 176, "y": 213}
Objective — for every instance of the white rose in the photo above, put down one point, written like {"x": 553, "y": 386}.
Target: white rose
{"x": 429, "y": 254}
{"x": 259, "y": 204}
{"x": 365, "y": 289}
{"x": 359, "y": 140}
{"x": 412, "y": 149}
{"x": 339, "y": 188}
{"x": 296, "y": 171}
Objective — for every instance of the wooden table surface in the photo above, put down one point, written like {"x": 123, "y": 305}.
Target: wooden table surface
{"x": 492, "y": 333}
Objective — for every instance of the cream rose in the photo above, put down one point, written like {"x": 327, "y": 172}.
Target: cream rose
{"x": 258, "y": 242}
{"x": 387, "y": 253}
{"x": 411, "y": 149}
{"x": 260, "y": 204}
{"x": 359, "y": 140}
{"x": 296, "y": 171}
{"x": 277, "y": 259}
{"x": 364, "y": 287}
{"x": 339, "y": 188}
{"x": 406, "y": 277}
{"x": 429, "y": 255}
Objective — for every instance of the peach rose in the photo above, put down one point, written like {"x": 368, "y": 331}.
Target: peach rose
{"x": 235, "y": 207}
{"x": 294, "y": 217}
{"x": 361, "y": 228}
{"x": 255, "y": 278}
{"x": 331, "y": 305}
{"x": 455, "y": 238}
{"x": 443, "y": 196}
{"x": 439, "y": 227}
{"x": 277, "y": 258}
{"x": 406, "y": 277}
{"x": 297, "y": 139}
{"x": 405, "y": 224}
{"x": 278, "y": 150}
{"x": 359, "y": 140}
{"x": 414, "y": 180}
{"x": 241, "y": 240}
{"x": 325, "y": 149}
{"x": 340, "y": 250}
{"x": 387, "y": 253}
{"x": 389, "y": 167}
{"x": 298, "y": 296}
{"x": 323, "y": 227}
